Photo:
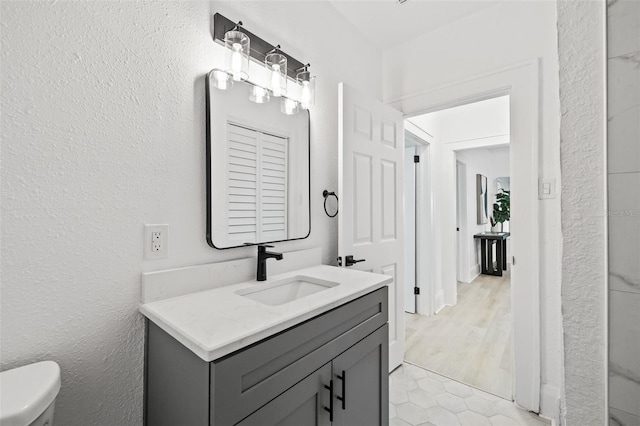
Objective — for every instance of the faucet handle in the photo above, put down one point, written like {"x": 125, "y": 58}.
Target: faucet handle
{"x": 258, "y": 244}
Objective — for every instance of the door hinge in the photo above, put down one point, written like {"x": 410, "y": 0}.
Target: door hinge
{"x": 416, "y": 290}
{"x": 513, "y": 260}
{"x": 416, "y": 158}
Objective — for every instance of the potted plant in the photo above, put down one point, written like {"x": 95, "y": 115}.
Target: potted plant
{"x": 501, "y": 208}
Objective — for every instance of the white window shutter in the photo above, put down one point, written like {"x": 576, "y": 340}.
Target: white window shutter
{"x": 256, "y": 185}
{"x": 242, "y": 184}
{"x": 273, "y": 188}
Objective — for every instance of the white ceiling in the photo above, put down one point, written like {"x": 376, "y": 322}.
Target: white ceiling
{"x": 488, "y": 120}
{"x": 386, "y": 23}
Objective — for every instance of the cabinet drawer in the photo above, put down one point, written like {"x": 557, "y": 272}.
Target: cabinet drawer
{"x": 246, "y": 380}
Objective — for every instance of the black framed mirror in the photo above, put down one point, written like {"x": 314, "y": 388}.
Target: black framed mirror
{"x": 258, "y": 162}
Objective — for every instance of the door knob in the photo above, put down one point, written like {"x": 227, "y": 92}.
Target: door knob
{"x": 349, "y": 260}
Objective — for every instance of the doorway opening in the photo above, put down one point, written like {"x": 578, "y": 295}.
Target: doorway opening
{"x": 459, "y": 322}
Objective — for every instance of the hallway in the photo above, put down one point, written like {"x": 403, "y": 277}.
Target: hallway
{"x": 471, "y": 341}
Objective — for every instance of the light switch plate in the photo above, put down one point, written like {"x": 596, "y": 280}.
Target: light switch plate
{"x": 156, "y": 241}
{"x": 546, "y": 189}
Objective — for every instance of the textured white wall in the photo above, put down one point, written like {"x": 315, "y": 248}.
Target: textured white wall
{"x": 103, "y": 131}
{"x": 581, "y": 55}
{"x": 491, "y": 39}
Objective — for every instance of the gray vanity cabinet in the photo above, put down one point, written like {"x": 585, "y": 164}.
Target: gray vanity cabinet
{"x": 362, "y": 390}
{"x": 338, "y": 359}
{"x": 303, "y": 404}
{"x": 359, "y": 391}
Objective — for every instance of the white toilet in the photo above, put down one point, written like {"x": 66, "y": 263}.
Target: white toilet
{"x": 28, "y": 394}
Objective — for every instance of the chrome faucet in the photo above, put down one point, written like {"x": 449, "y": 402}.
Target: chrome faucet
{"x": 263, "y": 255}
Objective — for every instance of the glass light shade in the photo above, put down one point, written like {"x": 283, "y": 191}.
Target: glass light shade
{"x": 220, "y": 79}
{"x": 237, "y": 46}
{"x": 308, "y": 93}
{"x": 259, "y": 95}
{"x": 289, "y": 106}
{"x": 276, "y": 64}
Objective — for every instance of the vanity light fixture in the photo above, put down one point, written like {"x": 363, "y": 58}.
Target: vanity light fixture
{"x": 289, "y": 106}
{"x": 240, "y": 46}
{"x": 237, "y": 46}
{"x": 276, "y": 64}
{"x": 308, "y": 83}
{"x": 221, "y": 79}
{"x": 259, "y": 94}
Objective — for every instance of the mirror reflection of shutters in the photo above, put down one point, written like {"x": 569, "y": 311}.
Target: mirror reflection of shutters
{"x": 273, "y": 187}
{"x": 256, "y": 185}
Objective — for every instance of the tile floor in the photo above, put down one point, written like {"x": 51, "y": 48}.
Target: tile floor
{"x": 418, "y": 397}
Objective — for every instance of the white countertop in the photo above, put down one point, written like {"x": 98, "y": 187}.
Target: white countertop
{"x": 216, "y": 322}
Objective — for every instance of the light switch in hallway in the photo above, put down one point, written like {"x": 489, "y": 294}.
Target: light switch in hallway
{"x": 546, "y": 188}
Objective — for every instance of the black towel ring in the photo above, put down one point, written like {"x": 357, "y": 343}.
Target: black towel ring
{"x": 326, "y": 195}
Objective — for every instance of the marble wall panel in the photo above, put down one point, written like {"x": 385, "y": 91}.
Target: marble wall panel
{"x": 623, "y": 32}
{"x": 624, "y": 112}
{"x": 623, "y": 144}
{"x": 624, "y": 232}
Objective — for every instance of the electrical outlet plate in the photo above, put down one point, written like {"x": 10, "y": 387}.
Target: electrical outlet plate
{"x": 156, "y": 241}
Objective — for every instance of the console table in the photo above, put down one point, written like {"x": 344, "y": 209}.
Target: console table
{"x": 487, "y": 239}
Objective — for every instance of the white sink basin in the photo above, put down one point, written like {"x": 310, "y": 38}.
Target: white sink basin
{"x": 286, "y": 290}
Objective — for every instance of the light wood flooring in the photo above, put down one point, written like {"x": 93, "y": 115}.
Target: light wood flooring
{"x": 469, "y": 342}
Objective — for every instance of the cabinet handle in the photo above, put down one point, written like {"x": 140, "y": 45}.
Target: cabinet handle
{"x": 343, "y": 398}
{"x": 330, "y": 409}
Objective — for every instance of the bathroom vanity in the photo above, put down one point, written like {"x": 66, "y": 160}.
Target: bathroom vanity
{"x": 302, "y": 348}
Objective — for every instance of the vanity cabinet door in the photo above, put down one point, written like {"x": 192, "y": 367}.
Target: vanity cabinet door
{"x": 361, "y": 382}
{"x": 302, "y": 405}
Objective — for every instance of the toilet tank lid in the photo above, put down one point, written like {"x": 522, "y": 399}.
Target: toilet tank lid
{"x": 26, "y": 392}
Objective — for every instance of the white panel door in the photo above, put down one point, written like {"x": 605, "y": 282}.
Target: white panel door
{"x": 370, "y": 224}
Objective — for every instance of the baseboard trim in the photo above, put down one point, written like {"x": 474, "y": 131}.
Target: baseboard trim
{"x": 475, "y": 273}
{"x": 438, "y": 302}
{"x": 550, "y": 403}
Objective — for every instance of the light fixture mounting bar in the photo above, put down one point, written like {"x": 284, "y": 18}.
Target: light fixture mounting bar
{"x": 259, "y": 47}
